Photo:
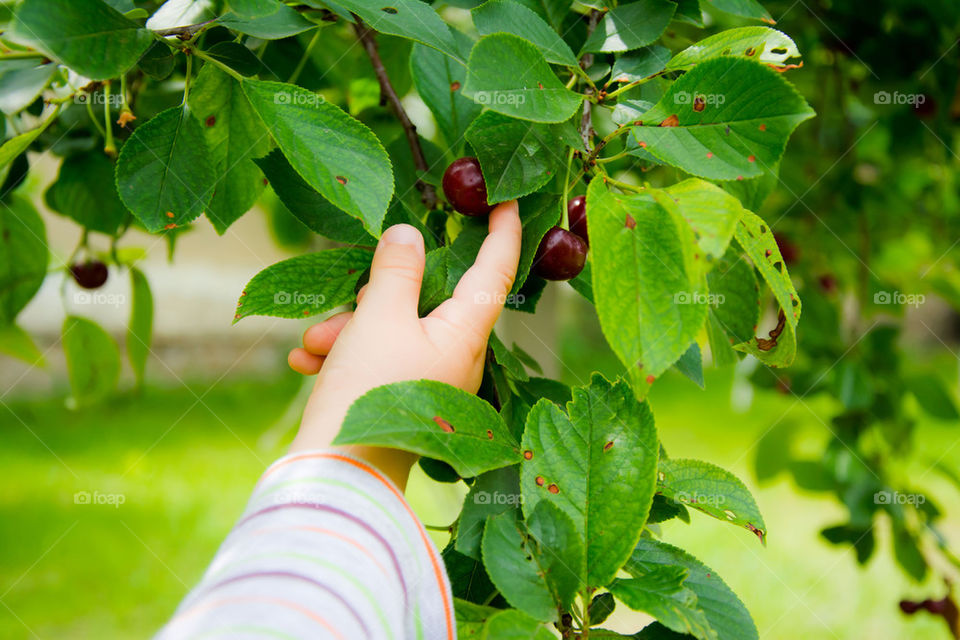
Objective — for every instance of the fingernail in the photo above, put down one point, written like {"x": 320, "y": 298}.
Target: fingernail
{"x": 401, "y": 234}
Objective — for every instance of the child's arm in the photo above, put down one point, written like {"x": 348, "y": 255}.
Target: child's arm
{"x": 328, "y": 547}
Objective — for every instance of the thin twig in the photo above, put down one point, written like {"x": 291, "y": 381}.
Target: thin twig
{"x": 185, "y": 32}
{"x": 586, "y": 122}
{"x": 389, "y": 94}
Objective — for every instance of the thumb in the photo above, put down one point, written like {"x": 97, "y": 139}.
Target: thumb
{"x": 395, "y": 274}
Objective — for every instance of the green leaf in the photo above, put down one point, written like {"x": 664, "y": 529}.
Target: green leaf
{"x": 492, "y": 493}
{"x": 601, "y": 607}
{"x": 513, "y": 563}
{"x": 439, "y": 80}
{"x": 764, "y": 44}
{"x": 515, "y": 625}
{"x": 308, "y": 206}
{"x": 88, "y": 36}
{"x": 712, "y": 490}
{"x": 509, "y": 75}
{"x": 640, "y": 64}
{"x": 20, "y": 87}
{"x": 468, "y": 579}
{"x": 23, "y": 256}
{"x": 661, "y": 593}
{"x": 720, "y": 347}
{"x": 517, "y": 156}
{"x": 648, "y": 287}
{"x": 507, "y": 359}
{"x": 17, "y": 343}
{"x": 305, "y": 285}
{"x": 933, "y": 397}
{"x": 433, "y": 287}
{"x": 234, "y": 136}
{"x": 735, "y": 296}
{"x": 432, "y": 419}
{"x": 158, "y": 62}
{"x": 140, "y": 329}
{"x": 86, "y": 191}
{"x": 747, "y": 113}
{"x": 710, "y": 211}
{"x": 559, "y": 550}
{"x": 164, "y": 174}
{"x": 13, "y": 147}
{"x": 598, "y": 466}
{"x": 690, "y": 364}
{"x": 631, "y": 26}
{"x": 236, "y": 56}
{"x": 335, "y": 154}
{"x": 178, "y": 13}
{"x": 252, "y": 8}
{"x": 471, "y": 618}
{"x": 689, "y": 11}
{"x": 93, "y": 360}
{"x": 283, "y": 22}
{"x": 745, "y": 8}
{"x": 409, "y": 19}
{"x": 724, "y": 611}
{"x": 507, "y": 16}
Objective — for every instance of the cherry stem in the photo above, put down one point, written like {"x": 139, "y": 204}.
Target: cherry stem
{"x": 389, "y": 94}
{"x": 623, "y": 185}
{"x": 566, "y": 191}
{"x": 303, "y": 59}
{"x": 586, "y": 122}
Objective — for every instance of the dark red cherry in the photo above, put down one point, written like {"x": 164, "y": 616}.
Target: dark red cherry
{"x": 90, "y": 274}
{"x": 789, "y": 251}
{"x": 560, "y": 256}
{"x": 464, "y": 187}
{"x": 577, "y": 215}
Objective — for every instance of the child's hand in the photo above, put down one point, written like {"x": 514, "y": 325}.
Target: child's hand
{"x": 386, "y": 341}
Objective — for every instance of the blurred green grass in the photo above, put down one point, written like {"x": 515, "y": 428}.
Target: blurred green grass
{"x": 185, "y": 459}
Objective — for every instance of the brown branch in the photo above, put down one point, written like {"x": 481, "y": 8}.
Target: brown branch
{"x": 586, "y": 122}
{"x": 389, "y": 94}
{"x": 185, "y": 32}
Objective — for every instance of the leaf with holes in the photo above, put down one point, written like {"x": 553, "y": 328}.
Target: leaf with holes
{"x": 763, "y": 44}
{"x": 598, "y": 465}
{"x": 725, "y": 119}
{"x": 234, "y": 136}
{"x": 710, "y": 211}
{"x": 521, "y": 558}
{"x": 308, "y": 206}
{"x": 631, "y": 26}
{"x": 661, "y": 593}
{"x": 93, "y": 360}
{"x": 335, "y": 154}
{"x": 507, "y": 16}
{"x": 305, "y": 285}
{"x": 510, "y": 76}
{"x": 648, "y": 286}
{"x": 517, "y": 156}
{"x": 712, "y": 490}
{"x": 439, "y": 80}
{"x": 721, "y": 606}
{"x": 164, "y": 173}
{"x": 23, "y": 256}
{"x": 89, "y": 36}
{"x": 435, "y": 420}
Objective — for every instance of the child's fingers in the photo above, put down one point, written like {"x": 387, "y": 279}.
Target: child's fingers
{"x": 482, "y": 291}
{"x": 319, "y": 338}
{"x": 302, "y": 361}
{"x": 394, "y": 287}
{"x": 362, "y": 292}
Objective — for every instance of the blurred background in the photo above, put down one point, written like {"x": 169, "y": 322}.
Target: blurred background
{"x": 111, "y": 512}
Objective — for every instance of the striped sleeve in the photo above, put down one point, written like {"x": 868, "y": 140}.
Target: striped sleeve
{"x": 327, "y": 548}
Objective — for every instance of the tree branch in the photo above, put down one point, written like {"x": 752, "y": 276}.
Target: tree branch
{"x": 185, "y": 32}
{"x": 389, "y": 94}
{"x": 586, "y": 122}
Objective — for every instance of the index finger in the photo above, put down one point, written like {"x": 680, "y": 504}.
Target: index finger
{"x": 480, "y": 295}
